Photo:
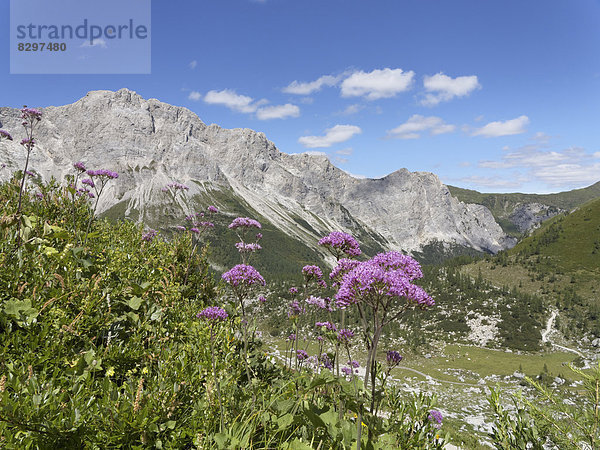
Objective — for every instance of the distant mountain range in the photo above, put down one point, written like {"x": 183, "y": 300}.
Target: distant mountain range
{"x": 151, "y": 143}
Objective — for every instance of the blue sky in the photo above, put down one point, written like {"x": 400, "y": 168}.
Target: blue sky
{"x": 498, "y": 96}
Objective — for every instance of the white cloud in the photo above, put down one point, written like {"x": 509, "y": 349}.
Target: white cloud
{"x": 278, "y": 112}
{"x": 596, "y": 155}
{"x": 334, "y": 135}
{"x": 307, "y": 88}
{"x": 417, "y": 124}
{"x": 377, "y": 84}
{"x": 345, "y": 151}
{"x": 193, "y": 64}
{"x": 442, "y": 88}
{"x": 233, "y": 101}
{"x": 569, "y": 174}
{"x": 352, "y": 109}
{"x": 195, "y": 96}
{"x": 95, "y": 43}
{"x": 492, "y": 182}
{"x": 507, "y": 128}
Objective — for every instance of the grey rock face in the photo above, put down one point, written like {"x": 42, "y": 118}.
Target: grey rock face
{"x": 151, "y": 143}
{"x": 528, "y": 216}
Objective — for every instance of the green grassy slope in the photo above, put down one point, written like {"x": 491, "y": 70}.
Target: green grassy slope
{"x": 502, "y": 205}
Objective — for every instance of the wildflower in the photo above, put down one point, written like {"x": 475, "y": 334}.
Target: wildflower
{"x": 180, "y": 228}
{"x": 393, "y": 358}
{"x": 326, "y": 361}
{"x": 213, "y": 209}
{"x": 79, "y": 166}
{"x": 339, "y": 242}
{"x": 212, "y": 314}
{"x": 178, "y": 186}
{"x": 28, "y": 142}
{"x": 327, "y": 325}
{"x": 247, "y": 248}
{"x": 345, "y": 335}
{"x": 291, "y": 337}
{"x": 149, "y": 235}
{"x": 207, "y": 225}
{"x": 354, "y": 363}
{"x": 259, "y": 236}
{"x": 30, "y": 173}
{"x": 88, "y": 182}
{"x": 39, "y": 195}
{"x": 195, "y": 230}
{"x": 244, "y": 222}
{"x": 262, "y": 299}
{"x": 295, "y": 309}
{"x": 310, "y": 272}
{"x": 6, "y": 135}
{"x": 301, "y": 355}
{"x": 243, "y": 275}
{"x": 436, "y": 417}
{"x": 293, "y": 290}
{"x": 31, "y": 114}
{"x": 103, "y": 173}
{"x": 344, "y": 266}
{"x": 319, "y": 302}
{"x": 347, "y": 371}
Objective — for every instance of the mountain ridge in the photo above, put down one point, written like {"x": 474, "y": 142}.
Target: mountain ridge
{"x": 152, "y": 143}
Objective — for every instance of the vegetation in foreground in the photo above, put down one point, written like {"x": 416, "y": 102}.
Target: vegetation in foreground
{"x": 113, "y": 337}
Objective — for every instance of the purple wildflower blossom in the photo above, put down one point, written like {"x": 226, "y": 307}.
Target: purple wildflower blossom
{"x": 39, "y": 195}
{"x": 312, "y": 271}
{"x": 259, "y": 236}
{"x": 103, "y": 173}
{"x": 293, "y": 290}
{"x": 212, "y": 314}
{"x": 344, "y": 266}
{"x": 436, "y": 417}
{"x": 301, "y": 355}
{"x": 247, "y": 248}
{"x": 177, "y": 186}
{"x": 30, "y": 173}
{"x": 347, "y": 371}
{"x": 397, "y": 261}
{"x": 89, "y": 182}
{"x": 6, "y": 135}
{"x": 213, "y": 209}
{"x": 340, "y": 242}
{"x": 244, "y": 222}
{"x": 354, "y": 363}
{"x": 79, "y": 166}
{"x": 262, "y": 299}
{"x": 319, "y": 302}
{"x": 27, "y": 142}
{"x": 149, "y": 235}
{"x": 326, "y": 362}
{"x": 180, "y": 228}
{"x": 393, "y": 358}
{"x": 295, "y": 309}
{"x": 243, "y": 274}
{"x": 195, "y": 230}
{"x": 31, "y": 113}
{"x": 328, "y": 326}
{"x": 345, "y": 335}
{"x": 291, "y": 337}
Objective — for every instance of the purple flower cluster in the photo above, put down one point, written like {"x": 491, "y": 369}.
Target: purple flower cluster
{"x": 301, "y": 355}
{"x": 436, "y": 417}
{"x": 295, "y": 309}
{"x": 243, "y": 275}
{"x": 344, "y": 266}
{"x": 338, "y": 241}
{"x": 31, "y": 114}
{"x": 177, "y": 186}
{"x": 28, "y": 142}
{"x": 381, "y": 277}
{"x": 393, "y": 358}
{"x": 327, "y": 325}
{"x": 347, "y": 371}
{"x": 79, "y": 166}
{"x": 213, "y": 209}
{"x": 244, "y": 222}
{"x": 89, "y": 182}
{"x": 212, "y": 314}
{"x": 293, "y": 290}
{"x": 180, "y": 228}
{"x": 354, "y": 363}
{"x": 345, "y": 335}
{"x": 149, "y": 235}
{"x": 30, "y": 173}
{"x": 247, "y": 248}
{"x": 103, "y": 173}
{"x": 6, "y": 135}
{"x": 321, "y": 303}
{"x": 262, "y": 299}
{"x": 326, "y": 361}
{"x": 310, "y": 272}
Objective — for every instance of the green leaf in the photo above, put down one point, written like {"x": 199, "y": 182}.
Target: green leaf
{"x": 135, "y": 303}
